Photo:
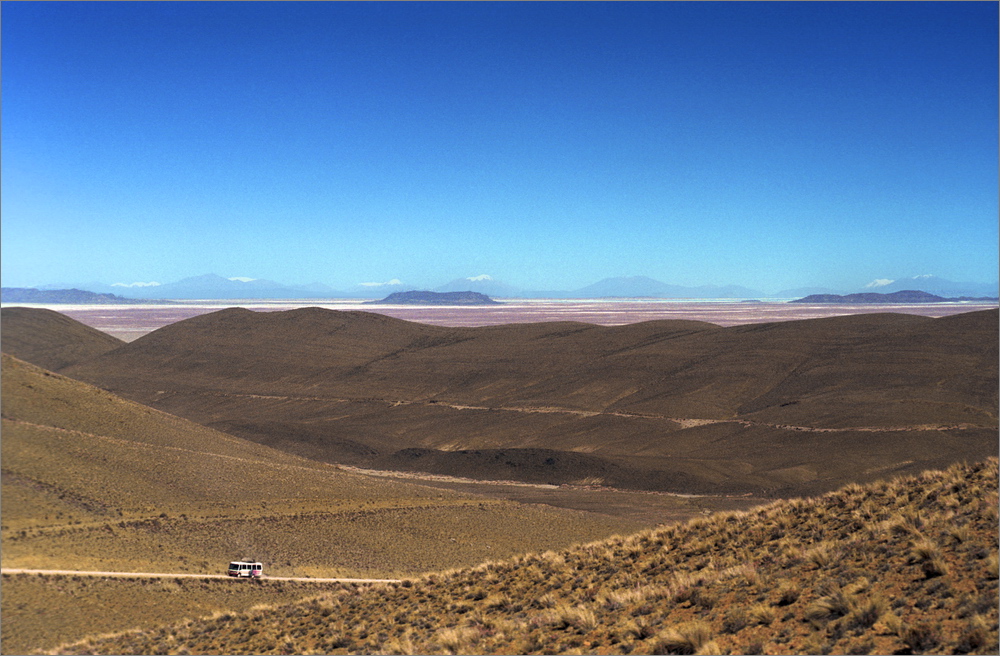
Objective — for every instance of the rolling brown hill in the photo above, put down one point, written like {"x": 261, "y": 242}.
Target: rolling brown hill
{"x": 787, "y": 408}
{"x": 50, "y": 339}
{"x": 92, "y": 481}
{"x": 896, "y": 567}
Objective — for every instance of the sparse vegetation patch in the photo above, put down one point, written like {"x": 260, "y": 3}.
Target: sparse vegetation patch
{"x": 729, "y": 584}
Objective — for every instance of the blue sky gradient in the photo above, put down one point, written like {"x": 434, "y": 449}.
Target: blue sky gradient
{"x": 549, "y": 145}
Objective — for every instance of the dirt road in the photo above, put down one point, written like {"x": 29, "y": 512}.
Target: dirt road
{"x": 683, "y": 422}
{"x": 168, "y": 575}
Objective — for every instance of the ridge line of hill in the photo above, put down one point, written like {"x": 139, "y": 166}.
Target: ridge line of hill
{"x": 159, "y": 447}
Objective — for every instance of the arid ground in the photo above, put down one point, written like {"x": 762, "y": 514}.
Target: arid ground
{"x": 468, "y": 461}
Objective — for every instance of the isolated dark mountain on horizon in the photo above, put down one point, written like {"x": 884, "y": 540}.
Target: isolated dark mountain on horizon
{"x": 435, "y": 298}
{"x": 904, "y": 296}
{"x": 32, "y": 295}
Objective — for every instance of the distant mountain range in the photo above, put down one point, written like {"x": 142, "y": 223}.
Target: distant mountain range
{"x": 212, "y": 286}
{"x": 31, "y": 295}
{"x": 904, "y": 296}
{"x": 641, "y": 286}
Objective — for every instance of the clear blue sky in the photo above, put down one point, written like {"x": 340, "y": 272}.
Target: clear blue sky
{"x": 549, "y": 145}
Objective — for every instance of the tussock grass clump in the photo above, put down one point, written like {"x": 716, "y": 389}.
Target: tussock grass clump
{"x": 820, "y": 555}
{"x": 929, "y": 556}
{"x": 786, "y": 593}
{"x": 456, "y": 640}
{"x": 761, "y": 614}
{"x": 866, "y": 612}
{"x": 638, "y": 628}
{"x": 735, "y": 620}
{"x": 836, "y": 604}
{"x": 718, "y": 585}
{"x": 689, "y": 638}
{"x": 563, "y": 616}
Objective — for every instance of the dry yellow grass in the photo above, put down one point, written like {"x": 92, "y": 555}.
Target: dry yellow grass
{"x": 734, "y": 583}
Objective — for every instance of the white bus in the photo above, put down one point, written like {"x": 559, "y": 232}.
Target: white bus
{"x": 245, "y": 569}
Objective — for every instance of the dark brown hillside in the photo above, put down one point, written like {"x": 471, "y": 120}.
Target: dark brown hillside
{"x": 50, "y": 339}
{"x": 896, "y": 370}
{"x": 673, "y": 405}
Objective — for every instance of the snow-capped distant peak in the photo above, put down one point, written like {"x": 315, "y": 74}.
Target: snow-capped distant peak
{"x": 924, "y": 276}
{"x": 480, "y": 277}
{"x": 241, "y": 279}
{"x": 879, "y": 282}
{"x": 135, "y": 284}
{"x": 394, "y": 281}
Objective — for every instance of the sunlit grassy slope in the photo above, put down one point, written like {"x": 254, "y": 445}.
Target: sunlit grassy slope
{"x": 91, "y": 481}
{"x": 904, "y": 566}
